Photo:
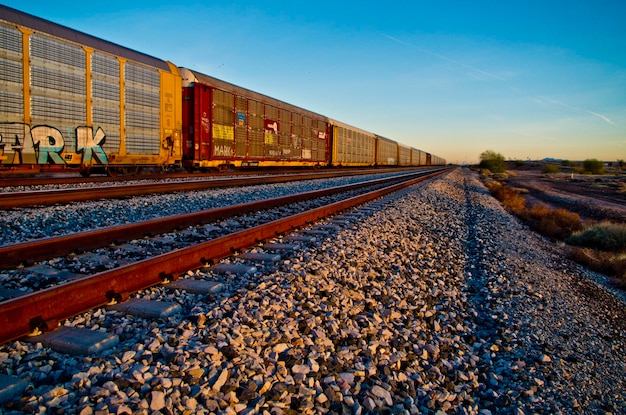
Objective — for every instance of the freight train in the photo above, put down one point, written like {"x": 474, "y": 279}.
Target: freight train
{"x": 71, "y": 101}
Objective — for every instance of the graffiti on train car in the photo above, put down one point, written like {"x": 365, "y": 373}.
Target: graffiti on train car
{"x": 44, "y": 144}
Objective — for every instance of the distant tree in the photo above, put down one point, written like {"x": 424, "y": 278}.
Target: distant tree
{"x": 593, "y": 166}
{"x": 492, "y": 161}
{"x": 550, "y": 169}
{"x": 567, "y": 163}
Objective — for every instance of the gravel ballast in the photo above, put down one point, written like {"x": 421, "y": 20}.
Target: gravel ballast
{"x": 438, "y": 303}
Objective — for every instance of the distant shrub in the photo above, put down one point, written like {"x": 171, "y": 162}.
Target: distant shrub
{"x": 593, "y": 166}
{"x": 605, "y": 236}
{"x": 550, "y": 169}
{"x": 492, "y": 161}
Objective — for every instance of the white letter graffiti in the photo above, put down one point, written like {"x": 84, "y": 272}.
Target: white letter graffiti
{"x": 50, "y": 142}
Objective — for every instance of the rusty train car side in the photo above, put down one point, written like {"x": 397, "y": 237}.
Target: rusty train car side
{"x": 227, "y": 125}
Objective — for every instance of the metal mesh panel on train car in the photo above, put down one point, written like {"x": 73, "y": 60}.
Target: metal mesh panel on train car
{"x": 405, "y": 156}
{"x": 359, "y": 152}
{"x": 105, "y": 86}
{"x": 296, "y": 135}
{"x": 306, "y": 144}
{"x": 271, "y": 127}
{"x": 256, "y": 129}
{"x": 355, "y": 150}
{"x": 339, "y": 143}
{"x": 318, "y": 128}
{"x": 284, "y": 135}
{"x": 142, "y": 105}
{"x": 322, "y": 142}
{"x": 415, "y": 157}
{"x": 343, "y": 145}
{"x": 387, "y": 152}
{"x": 367, "y": 149}
{"x": 223, "y": 118}
{"x": 241, "y": 127}
{"x": 11, "y": 75}
{"x": 58, "y": 86}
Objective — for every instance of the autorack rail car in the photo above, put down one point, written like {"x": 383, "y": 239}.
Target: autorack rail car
{"x": 386, "y": 151}
{"x": 352, "y": 146}
{"x": 226, "y": 125}
{"x": 71, "y": 101}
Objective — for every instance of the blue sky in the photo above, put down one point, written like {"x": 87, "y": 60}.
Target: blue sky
{"x": 529, "y": 79}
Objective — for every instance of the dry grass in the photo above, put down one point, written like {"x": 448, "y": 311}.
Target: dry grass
{"x": 510, "y": 198}
{"x": 601, "y": 247}
{"x": 553, "y": 223}
{"x": 606, "y": 263}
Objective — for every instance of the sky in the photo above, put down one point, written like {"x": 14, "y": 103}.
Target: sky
{"x": 527, "y": 79}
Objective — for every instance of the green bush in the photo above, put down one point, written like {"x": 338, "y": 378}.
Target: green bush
{"x": 550, "y": 169}
{"x": 593, "y": 166}
{"x": 605, "y": 236}
{"x": 492, "y": 161}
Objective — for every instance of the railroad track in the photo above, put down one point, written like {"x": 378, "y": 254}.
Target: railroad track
{"x": 42, "y": 311}
{"x": 74, "y": 179}
{"x": 10, "y": 200}
{"x": 29, "y": 252}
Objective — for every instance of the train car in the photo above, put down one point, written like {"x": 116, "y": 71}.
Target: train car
{"x": 415, "y": 157}
{"x": 437, "y": 161}
{"x": 351, "y": 146}
{"x": 226, "y": 125}
{"x": 386, "y": 151}
{"x": 72, "y": 101}
{"x": 404, "y": 155}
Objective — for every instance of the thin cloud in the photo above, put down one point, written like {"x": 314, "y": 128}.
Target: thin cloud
{"x": 471, "y": 68}
{"x": 604, "y": 117}
{"x": 490, "y": 75}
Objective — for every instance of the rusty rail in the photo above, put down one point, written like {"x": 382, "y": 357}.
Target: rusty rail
{"x": 10, "y": 200}
{"x": 45, "y": 309}
{"x": 6, "y": 180}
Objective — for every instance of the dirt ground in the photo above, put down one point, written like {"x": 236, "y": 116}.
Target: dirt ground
{"x": 592, "y": 197}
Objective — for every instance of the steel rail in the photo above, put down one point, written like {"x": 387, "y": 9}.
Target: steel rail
{"x": 26, "y": 253}
{"x": 10, "y": 200}
{"x": 45, "y": 309}
{"x": 7, "y": 181}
